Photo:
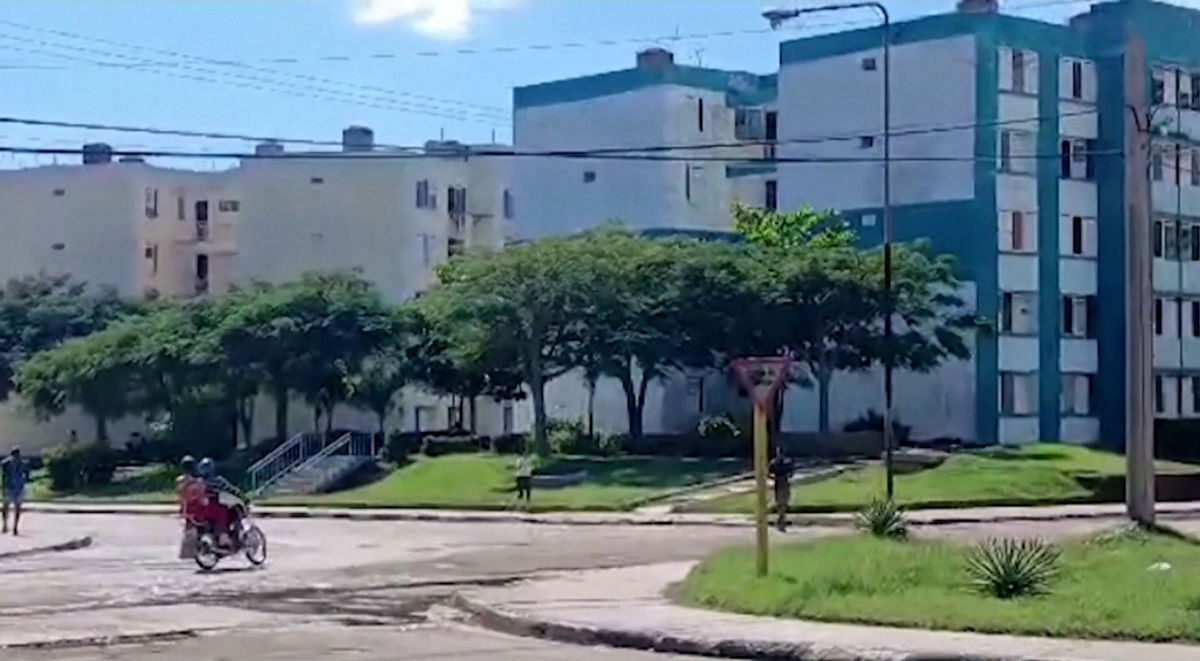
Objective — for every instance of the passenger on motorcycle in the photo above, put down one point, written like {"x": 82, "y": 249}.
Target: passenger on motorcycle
{"x": 219, "y": 515}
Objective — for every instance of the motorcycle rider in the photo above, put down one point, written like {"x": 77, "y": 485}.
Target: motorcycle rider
{"x": 220, "y": 517}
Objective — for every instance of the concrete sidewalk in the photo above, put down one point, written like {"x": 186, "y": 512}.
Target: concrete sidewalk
{"x": 626, "y": 608}
{"x": 918, "y": 517}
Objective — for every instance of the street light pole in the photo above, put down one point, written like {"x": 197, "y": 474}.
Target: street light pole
{"x": 777, "y": 17}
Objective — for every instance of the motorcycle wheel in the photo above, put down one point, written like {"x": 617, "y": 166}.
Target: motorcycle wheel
{"x": 255, "y": 544}
{"x": 207, "y": 555}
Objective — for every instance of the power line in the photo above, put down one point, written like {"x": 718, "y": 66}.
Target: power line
{"x": 496, "y": 153}
{"x": 272, "y": 86}
{"x": 482, "y": 50}
{"x": 234, "y": 64}
{"x": 212, "y": 135}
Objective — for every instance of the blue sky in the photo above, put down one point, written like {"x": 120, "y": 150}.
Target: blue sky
{"x": 423, "y": 87}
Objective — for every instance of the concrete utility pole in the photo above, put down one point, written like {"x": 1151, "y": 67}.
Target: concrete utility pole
{"x": 1139, "y": 293}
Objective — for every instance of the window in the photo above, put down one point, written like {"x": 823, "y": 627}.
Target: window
{"x": 1156, "y": 163}
{"x": 1077, "y": 315}
{"x": 1089, "y": 170}
{"x": 1193, "y": 240}
{"x": 1195, "y": 320}
{"x": 229, "y": 206}
{"x": 1018, "y": 313}
{"x": 772, "y": 195}
{"x": 1196, "y": 392}
{"x": 700, "y": 114}
{"x": 509, "y": 209}
{"x": 748, "y": 124}
{"x": 1065, "y": 160}
{"x": 1160, "y": 406}
{"x": 1196, "y": 95}
{"x": 772, "y": 127}
{"x": 181, "y": 208}
{"x": 1017, "y": 232}
{"x": 1157, "y": 239}
{"x": 1077, "y": 159}
{"x": 1160, "y": 86}
{"x": 1018, "y": 393}
{"x": 423, "y": 194}
{"x": 866, "y": 142}
{"x": 1158, "y": 316}
{"x": 869, "y": 64}
{"x": 1171, "y": 234}
{"x": 589, "y": 176}
{"x": 202, "y": 211}
{"x": 687, "y": 182}
{"x": 454, "y": 247}
{"x": 1077, "y": 235}
{"x": 1076, "y": 80}
{"x": 456, "y": 200}
{"x": 507, "y": 425}
{"x": 316, "y": 180}
{"x": 59, "y": 192}
{"x": 201, "y": 274}
{"x": 152, "y": 203}
{"x": 1077, "y": 394}
{"x": 1194, "y": 168}
{"x": 1016, "y": 151}
{"x": 1177, "y": 165}
{"x": 1018, "y": 71}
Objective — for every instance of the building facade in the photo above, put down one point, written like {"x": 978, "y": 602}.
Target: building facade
{"x": 1007, "y": 142}
{"x": 159, "y": 232}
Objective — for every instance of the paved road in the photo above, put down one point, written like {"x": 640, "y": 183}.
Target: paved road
{"x": 339, "y": 590}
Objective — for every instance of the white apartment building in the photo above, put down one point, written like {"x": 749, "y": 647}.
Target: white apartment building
{"x": 153, "y": 231}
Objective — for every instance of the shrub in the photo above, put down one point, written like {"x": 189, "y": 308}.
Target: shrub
{"x": 79, "y": 466}
{"x": 1007, "y": 568}
{"x": 718, "y": 427}
{"x": 883, "y": 518}
{"x": 400, "y": 445}
{"x": 571, "y": 437}
{"x": 873, "y": 421}
{"x": 440, "y": 447}
{"x": 509, "y": 444}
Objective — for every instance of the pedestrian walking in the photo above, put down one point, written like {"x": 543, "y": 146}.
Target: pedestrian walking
{"x": 525, "y": 478}
{"x": 781, "y": 468}
{"x": 14, "y": 479}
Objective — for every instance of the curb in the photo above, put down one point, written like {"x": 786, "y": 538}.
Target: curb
{"x": 532, "y": 627}
{"x": 835, "y": 520}
{"x": 72, "y": 545}
{"x": 106, "y": 641}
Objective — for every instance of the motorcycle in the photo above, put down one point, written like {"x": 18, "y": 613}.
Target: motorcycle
{"x": 246, "y": 537}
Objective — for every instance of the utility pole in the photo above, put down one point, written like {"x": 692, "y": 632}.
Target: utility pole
{"x": 1139, "y": 293}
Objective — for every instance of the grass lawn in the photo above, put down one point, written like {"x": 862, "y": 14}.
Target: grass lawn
{"x": 156, "y": 485}
{"x": 1103, "y": 590}
{"x": 1037, "y": 474}
{"x": 485, "y": 481}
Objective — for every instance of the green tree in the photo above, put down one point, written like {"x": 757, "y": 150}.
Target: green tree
{"x": 405, "y": 358}
{"x": 519, "y": 309}
{"x": 40, "y": 312}
{"x": 792, "y": 230}
{"x": 658, "y": 306}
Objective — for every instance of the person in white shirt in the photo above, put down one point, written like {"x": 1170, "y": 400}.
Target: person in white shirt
{"x": 525, "y": 478}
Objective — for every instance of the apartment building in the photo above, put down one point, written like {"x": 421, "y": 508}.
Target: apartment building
{"x": 1007, "y": 138}
{"x": 160, "y": 232}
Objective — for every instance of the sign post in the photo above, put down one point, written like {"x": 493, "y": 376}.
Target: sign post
{"x": 762, "y": 378}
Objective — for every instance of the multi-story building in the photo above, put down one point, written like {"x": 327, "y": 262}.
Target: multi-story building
{"x": 645, "y": 110}
{"x": 152, "y": 231}
{"x": 1007, "y": 139}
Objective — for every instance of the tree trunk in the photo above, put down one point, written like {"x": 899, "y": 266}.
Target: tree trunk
{"x": 246, "y": 418}
{"x": 316, "y": 418}
{"x": 824, "y": 376}
{"x": 101, "y": 428}
{"x": 633, "y": 408}
{"x": 591, "y": 410}
{"x": 329, "y": 419}
{"x": 537, "y": 386}
{"x": 281, "y": 414}
{"x": 474, "y": 415}
{"x": 381, "y": 416}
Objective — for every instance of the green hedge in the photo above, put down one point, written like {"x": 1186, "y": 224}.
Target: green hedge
{"x": 79, "y": 466}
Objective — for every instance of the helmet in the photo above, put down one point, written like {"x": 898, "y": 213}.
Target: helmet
{"x": 188, "y": 464}
{"x": 206, "y": 467}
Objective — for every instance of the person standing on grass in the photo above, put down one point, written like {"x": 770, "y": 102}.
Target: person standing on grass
{"x": 781, "y": 468}
{"x": 14, "y": 478}
{"x": 525, "y": 478}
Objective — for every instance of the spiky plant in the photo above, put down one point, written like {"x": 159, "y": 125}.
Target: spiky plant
{"x": 1013, "y": 568}
{"x": 883, "y": 518}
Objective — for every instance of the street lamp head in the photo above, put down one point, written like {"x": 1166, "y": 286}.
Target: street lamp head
{"x": 777, "y": 16}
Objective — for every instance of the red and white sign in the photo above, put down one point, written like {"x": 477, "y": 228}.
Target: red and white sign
{"x": 763, "y": 377}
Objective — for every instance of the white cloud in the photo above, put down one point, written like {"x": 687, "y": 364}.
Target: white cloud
{"x": 443, "y": 19}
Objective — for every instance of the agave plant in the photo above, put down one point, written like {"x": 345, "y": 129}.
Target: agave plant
{"x": 1008, "y": 568}
{"x": 883, "y": 518}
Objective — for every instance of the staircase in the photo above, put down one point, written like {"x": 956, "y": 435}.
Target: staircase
{"x": 318, "y": 476}
{"x": 310, "y": 463}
